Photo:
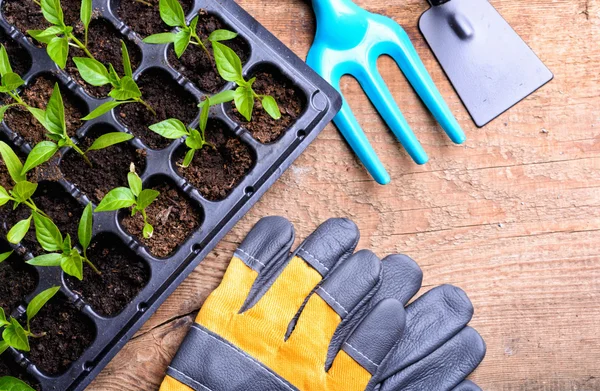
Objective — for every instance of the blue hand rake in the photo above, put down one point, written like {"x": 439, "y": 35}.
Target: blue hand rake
{"x": 349, "y": 41}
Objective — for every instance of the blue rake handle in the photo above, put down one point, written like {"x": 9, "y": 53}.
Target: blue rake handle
{"x": 349, "y": 41}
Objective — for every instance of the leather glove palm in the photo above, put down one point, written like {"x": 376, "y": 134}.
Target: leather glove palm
{"x": 325, "y": 319}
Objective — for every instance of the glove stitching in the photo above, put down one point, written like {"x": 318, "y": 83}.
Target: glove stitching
{"x": 314, "y": 259}
{"x": 365, "y": 357}
{"x": 189, "y": 378}
{"x": 251, "y": 257}
{"x": 334, "y": 300}
{"x": 246, "y": 357}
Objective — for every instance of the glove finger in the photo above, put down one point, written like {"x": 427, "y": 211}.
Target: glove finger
{"x": 334, "y": 300}
{"x": 402, "y": 279}
{"x": 431, "y": 321}
{"x": 444, "y": 368}
{"x": 467, "y": 385}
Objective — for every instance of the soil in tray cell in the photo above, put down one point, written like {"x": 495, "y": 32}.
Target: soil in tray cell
{"x": 9, "y": 368}
{"x": 109, "y": 166}
{"x": 167, "y": 98}
{"x": 290, "y": 99}
{"x": 17, "y": 280}
{"x": 214, "y": 172}
{"x": 51, "y": 198}
{"x": 68, "y": 334}
{"x": 172, "y": 215}
{"x": 144, "y": 19}
{"x": 27, "y": 15}
{"x": 105, "y": 45}
{"x": 18, "y": 57}
{"x": 196, "y": 65}
{"x": 123, "y": 276}
{"x": 37, "y": 94}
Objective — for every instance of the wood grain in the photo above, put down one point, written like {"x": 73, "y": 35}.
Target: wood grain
{"x": 512, "y": 216}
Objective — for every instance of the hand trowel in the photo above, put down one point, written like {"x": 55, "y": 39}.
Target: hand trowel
{"x": 487, "y": 62}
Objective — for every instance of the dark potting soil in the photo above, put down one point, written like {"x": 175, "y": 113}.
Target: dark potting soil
{"x": 27, "y": 15}
{"x": 68, "y": 335}
{"x": 124, "y": 275}
{"x": 19, "y": 58}
{"x": 145, "y": 20}
{"x": 105, "y": 45}
{"x": 216, "y": 171}
{"x": 165, "y": 96}
{"x": 50, "y": 197}
{"x": 196, "y": 65}
{"x": 291, "y": 102}
{"x": 17, "y": 280}
{"x": 109, "y": 166}
{"x": 9, "y": 368}
{"x": 173, "y": 217}
{"x": 37, "y": 95}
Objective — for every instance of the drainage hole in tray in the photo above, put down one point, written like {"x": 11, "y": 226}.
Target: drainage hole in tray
{"x": 215, "y": 172}
{"x": 173, "y": 215}
{"x": 123, "y": 276}
{"x": 110, "y": 166}
{"x": 169, "y": 99}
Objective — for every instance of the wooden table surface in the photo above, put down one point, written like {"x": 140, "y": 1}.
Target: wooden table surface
{"x": 512, "y": 216}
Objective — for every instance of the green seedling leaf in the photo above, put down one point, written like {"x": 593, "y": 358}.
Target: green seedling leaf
{"x": 53, "y": 12}
{"x": 147, "y": 231}
{"x": 47, "y": 260}
{"x": 115, "y": 80}
{"x": 4, "y": 257}
{"x": 146, "y": 198}
{"x": 73, "y": 265}
{"x": 221, "y": 35}
{"x": 50, "y": 32}
{"x": 195, "y": 141}
{"x": 66, "y": 245}
{"x": 244, "y": 101}
{"x": 8, "y": 383}
{"x": 4, "y": 62}
{"x": 172, "y": 129}
{"x": 126, "y": 60}
{"x": 84, "y": 232}
{"x": 116, "y": 199}
{"x": 36, "y": 34}
{"x": 172, "y": 13}
{"x": 3, "y": 348}
{"x": 102, "y": 109}
{"x": 4, "y": 196}
{"x": 3, "y": 320}
{"x": 189, "y": 157}
{"x": 182, "y": 40}
{"x": 40, "y": 301}
{"x": 135, "y": 183}
{"x": 228, "y": 63}
{"x": 47, "y": 233}
{"x": 205, "y": 107}
{"x": 194, "y": 24}
{"x": 40, "y": 154}
{"x": 270, "y": 106}
{"x": 161, "y": 38}
{"x": 86, "y": 13}
{"x": 39, "y": 115}
{"x": 92, "y": 71}
{"x": 55, "y": 113}
{"x": 58, "y": 50}
{"x": 24, "y": 190}
{"x": 109, "y": 139}
{"x": 18, "y": 231}
{"x": 13, "y": 164}
{"x": 127, "y": 90}
{"x": 222, "y": 97}
{"x": 12, "y": 81}
{"x": 14, "y": 334}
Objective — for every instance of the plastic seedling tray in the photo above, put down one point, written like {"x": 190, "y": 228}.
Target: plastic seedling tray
{"x": 215, "y": 217}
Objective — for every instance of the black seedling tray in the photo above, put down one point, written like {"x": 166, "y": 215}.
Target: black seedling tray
{"x": 217, "y": 217}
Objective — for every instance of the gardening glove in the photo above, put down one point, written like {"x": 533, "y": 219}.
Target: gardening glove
{"x": 325, "y": 319}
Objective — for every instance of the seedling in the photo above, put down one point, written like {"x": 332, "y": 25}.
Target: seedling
{"x": 21, "y": 193}
{"x": 54, "y": 122}
{"x": 13, "y": 384}
{"x": 125, "y": 89}
{"x": 59, "y": 36}
{"x": 172, "y": 14}
{"x": 133, "y": 196}
{"x": 15, "y": 335}
{"x": 62, "y": 253}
